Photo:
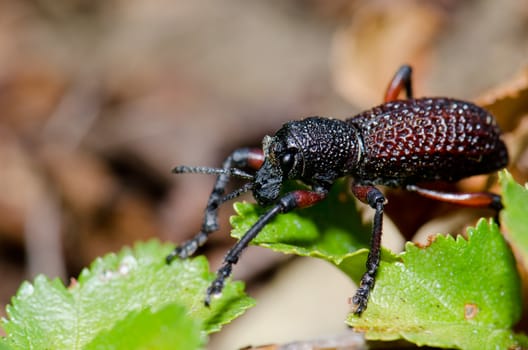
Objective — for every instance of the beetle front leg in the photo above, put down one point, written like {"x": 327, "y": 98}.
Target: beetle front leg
{"x": 240, "y": 158}
{"x": 373, "y": 197}
{"x": 290, "y": 201}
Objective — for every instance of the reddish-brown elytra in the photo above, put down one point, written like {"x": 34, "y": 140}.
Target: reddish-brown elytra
{"x": 401, "y": 143}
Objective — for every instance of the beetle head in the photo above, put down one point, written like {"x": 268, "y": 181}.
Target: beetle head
{"x": 283, "y": 161}
{"x": 315, "y": 150}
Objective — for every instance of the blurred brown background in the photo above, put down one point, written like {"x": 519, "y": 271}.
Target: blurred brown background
{"x": 100, "y": 99}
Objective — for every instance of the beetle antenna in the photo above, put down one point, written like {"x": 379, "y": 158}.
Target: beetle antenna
{"x": 238, "y": 192}
{"x": 235, "y": 172}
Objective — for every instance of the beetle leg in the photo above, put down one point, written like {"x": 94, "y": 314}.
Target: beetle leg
{"x": 240, "y": 158}
{"x": 401, "y": 80}
{"x": 475, "y": 199}
{"x": 373, "y": 197}
{"x": 290, "y": 201}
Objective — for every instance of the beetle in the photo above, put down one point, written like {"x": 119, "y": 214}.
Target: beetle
{"x": 405, "y": 143}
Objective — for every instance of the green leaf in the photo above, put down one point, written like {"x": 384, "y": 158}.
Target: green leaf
{"x": 331, "y": 230}
{"x": 4, "y": 345}
{"x": 168, "y": 328}
{"x": 454, "y": 293}
{"x": 514, "y": 216}
{"x": 48, "y": 315}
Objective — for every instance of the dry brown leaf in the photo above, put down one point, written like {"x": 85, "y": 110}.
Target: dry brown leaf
{"x": 381, "y": 36}
{"x": 130, "y": 218}
{"x": 29, "y": 93}
{"x": 508, "y": 102}
{"x": 83, "y": 181}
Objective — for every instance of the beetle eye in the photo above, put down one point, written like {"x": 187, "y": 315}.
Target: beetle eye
{"x": 287, "y": 161}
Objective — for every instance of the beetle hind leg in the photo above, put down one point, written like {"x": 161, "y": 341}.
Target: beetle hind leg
{"x": 475, "y": 199}
{"x": 401, "y": 80}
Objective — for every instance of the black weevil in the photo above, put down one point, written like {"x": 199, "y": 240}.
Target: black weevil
{"x": 400, "y": 143}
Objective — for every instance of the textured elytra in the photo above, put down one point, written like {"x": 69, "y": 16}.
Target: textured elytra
{"x": 427, "y": 139}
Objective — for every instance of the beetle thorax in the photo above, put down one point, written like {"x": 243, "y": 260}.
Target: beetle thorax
{"x": 329, "y": 147}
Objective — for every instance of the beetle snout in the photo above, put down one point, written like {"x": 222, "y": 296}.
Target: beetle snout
{"x": 267, "y": 184}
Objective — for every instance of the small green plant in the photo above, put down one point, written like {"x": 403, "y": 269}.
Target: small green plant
{"x": 455, "y": 293}
{"x": 129, "y": 300}
{"x": 459, "y": 292}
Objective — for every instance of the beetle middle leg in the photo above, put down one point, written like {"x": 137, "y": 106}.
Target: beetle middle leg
{"x": 290, "y": 201}
{"x": 373, "y": 197}
{"x": 240, "y": 158}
